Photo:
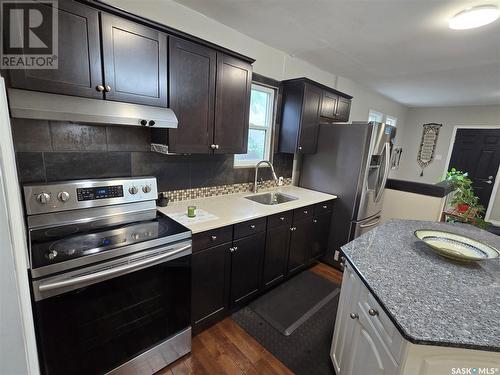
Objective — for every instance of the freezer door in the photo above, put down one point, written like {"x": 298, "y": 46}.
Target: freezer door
{"x": 360, "y": 227}
{"x": 376, "y": 173}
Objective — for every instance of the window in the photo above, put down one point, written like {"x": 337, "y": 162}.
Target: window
{"x": 380, "y": 117}
{"x": 260, "y": 129}
{"x": 391, "y": 120}
{"x": 375, "y": 116}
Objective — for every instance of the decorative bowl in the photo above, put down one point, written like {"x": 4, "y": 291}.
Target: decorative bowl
{"x": 455, "y": 246}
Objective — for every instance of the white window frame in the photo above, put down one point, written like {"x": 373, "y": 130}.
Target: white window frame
{"x": 268, "y": 129}
{"x": 377, "y": 114}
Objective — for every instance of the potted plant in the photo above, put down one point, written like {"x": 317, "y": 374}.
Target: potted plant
{"x": 464, "y": 199}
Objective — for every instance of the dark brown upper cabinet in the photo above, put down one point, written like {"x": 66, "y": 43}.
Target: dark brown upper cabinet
{"x": 192, "y": 96}
{"x": 232, "y": 105}
{"x": 305, "y": 105}
{"x": 79, "y": 56}
{"x": 135, "y": 62}
{"x": 343, "y": 110}
{"x": 300, "y": 118}
{"x": 329, "y": 105}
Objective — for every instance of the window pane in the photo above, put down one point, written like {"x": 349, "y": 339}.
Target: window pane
{"x": 375, "y": 116}
{"x": 389, "y": 120}
{"x": 258, "y": 107}
{"x": 256, "y": 145}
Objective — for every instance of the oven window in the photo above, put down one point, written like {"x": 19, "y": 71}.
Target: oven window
{"x": 95, "y": 329}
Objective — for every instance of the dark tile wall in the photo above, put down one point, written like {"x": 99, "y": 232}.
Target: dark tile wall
{"x": 53, "y": 151}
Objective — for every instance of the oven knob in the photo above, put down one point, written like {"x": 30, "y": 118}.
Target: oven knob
{"x": 43, "y": 198}
{"x": 136, "y": 236}
{"x": 52, "y": 254}
{"x": 146, "y": 189}
{"x": 63, "y": 196}
{"x": 133, "y": 190}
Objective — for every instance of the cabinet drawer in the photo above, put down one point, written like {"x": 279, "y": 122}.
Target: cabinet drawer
{"x": 283, "y": 218}
{"x": 249, "y": 227}
{"x": 212, "y": 237}
{"x": 303, "y": 213}
{"x": 323, "y": 207}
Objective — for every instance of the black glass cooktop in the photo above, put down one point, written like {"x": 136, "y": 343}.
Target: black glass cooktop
{"x": 59, "y": 244}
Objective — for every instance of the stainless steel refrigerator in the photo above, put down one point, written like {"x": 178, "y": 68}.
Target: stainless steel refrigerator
{"x": 352, "y": 162}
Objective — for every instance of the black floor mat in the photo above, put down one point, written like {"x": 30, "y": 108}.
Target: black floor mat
{"x": 307, "y": 350}
{"x": 292, "y": 303}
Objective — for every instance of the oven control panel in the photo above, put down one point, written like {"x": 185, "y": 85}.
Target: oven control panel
{"x": 72, "y": 195}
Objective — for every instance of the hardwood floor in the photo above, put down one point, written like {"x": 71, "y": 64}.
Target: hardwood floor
{"x": 226, "y": 348}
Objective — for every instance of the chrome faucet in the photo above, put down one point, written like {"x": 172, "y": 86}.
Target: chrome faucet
{"x": 256, "y": 183}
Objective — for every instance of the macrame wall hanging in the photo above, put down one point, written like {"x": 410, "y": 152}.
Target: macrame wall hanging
{"x": 428, "y": 145}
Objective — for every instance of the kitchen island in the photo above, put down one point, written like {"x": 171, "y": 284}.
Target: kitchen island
{"x": 406, "y": 310}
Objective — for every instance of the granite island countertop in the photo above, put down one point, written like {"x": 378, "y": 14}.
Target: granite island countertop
{"x": 235, "y": 208}
{"x": 431, "y": 300}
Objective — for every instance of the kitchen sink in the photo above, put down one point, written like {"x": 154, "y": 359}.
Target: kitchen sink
{"x": 271, "y": 198}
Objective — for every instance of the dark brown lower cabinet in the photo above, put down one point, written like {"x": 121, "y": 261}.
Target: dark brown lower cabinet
{"x": 210, "y": 285}
{"x": 300, "y": 243}
{"x": 276, "y": 255}
{"x": 246, "y": 267}
{"x": 321, "y": 233}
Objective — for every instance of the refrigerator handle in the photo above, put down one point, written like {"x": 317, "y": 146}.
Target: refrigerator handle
{"x": 387, "y": 150}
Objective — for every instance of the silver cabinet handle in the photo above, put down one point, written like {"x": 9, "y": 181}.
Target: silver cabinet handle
{"x": 354, "y": 315}
{"x": 213, "y": 147}
{"x": 293, "y": 229}
{"x": 300, "y": 147}
{"x": 107, "y": 88}
{"x": 235, "y": 248}
{"x": 231, "y": 249}
{"x": 99, "y": 88}
{"x": 216, "y": 147}
{"x": 252, "y": 226}
{"x": 373, "y": 312}
{"x": 489, "y": 182}
{"x": 315, "y": 221}
{"x": 282, "y": 218}
{"x": 305, "y": 211}
{"x": 325, "y": 206}
{"x": 214, "y": 238}
{"x": 109, "y": 272}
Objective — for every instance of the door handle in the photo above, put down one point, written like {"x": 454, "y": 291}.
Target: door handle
{"x": 371, "y": 223}
{"x": 386, "y": 171}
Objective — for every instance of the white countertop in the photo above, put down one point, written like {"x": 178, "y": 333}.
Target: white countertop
{"x": 234, "y": 208}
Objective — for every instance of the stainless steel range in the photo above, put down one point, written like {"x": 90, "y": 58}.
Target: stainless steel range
{"x": 111, "y": 277}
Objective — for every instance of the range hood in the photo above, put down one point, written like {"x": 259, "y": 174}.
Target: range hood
{"x": 44, "y": 106}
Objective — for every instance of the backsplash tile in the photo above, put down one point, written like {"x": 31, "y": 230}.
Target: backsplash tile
{"x": 30, "y": 167}
{"x": 68, "y": 151}
{"x": 120, "y": 138}
{"x": 31, "y": 135}
{"x": 78, "y": 165}
{"x": 76, "y": 137}
{"x": 205, "y": 192}
{"x": 171, "y": 171}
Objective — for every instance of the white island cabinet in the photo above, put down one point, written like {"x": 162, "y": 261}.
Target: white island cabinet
{"x": 366, "y": 341}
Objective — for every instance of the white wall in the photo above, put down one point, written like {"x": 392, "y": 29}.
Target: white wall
{"x": 410, "y": 206}
{"x": 411, "y": 133}
{"x": 270, "y": 62}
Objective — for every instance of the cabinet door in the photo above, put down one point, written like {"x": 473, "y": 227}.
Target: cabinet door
{"x": 300, "y": 243}
{"x": 135, "y": 62}
{"x": 232, "y": 105}
{"x": 246, "y": 267}
{"x": 343, "y": 110}
{"x": 321, "y": 233}
{"x": 340, "y": 351}
{"x": 308, "y": 135}
{"x": 210, "y": 284}
{"x": 79, "y": 56}
{"x": 276, "y": 254}
{"x": 366, "y": 345}
{"x": 192, "y": 96}
{"x": 329, "y": 105}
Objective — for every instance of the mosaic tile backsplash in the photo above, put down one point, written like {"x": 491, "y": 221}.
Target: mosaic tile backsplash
{"x": 205, "y": 192}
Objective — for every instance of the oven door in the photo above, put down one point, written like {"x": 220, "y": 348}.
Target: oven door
{"x": 93, "y": 320}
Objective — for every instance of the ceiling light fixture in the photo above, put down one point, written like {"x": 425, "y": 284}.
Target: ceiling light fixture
{"x": 474, "y": 17}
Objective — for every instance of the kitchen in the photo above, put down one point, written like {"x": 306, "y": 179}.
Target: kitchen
{"x": 111, "y": 129}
